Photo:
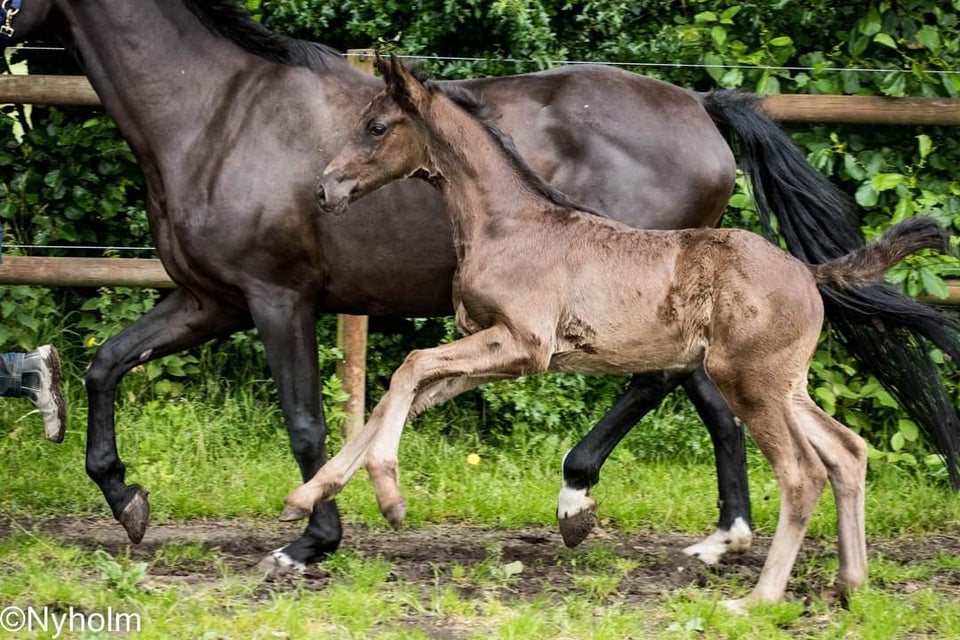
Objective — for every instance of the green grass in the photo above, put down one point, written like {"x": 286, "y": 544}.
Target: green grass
{"x": 197, "y": 463}
{"x": 362, "y": 601}
{"x": 230, "y": 459}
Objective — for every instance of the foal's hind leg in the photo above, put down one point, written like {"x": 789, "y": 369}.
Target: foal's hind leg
{"x": 766, "y": 406}
{"x": 845, "y": 455}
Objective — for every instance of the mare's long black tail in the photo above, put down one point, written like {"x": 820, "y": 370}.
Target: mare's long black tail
{"x": 888, "y": 332}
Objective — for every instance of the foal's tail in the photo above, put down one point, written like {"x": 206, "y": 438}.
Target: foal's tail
{"x": 866, "y": 265}
{"x": 889, "y": 333}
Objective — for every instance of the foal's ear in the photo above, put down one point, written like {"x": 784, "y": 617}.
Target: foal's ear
{"x": 408, "y": 91}
{"x": 382, "y": 66}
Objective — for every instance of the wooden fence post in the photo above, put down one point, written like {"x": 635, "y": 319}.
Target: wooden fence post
{"x": 352, "y": 330}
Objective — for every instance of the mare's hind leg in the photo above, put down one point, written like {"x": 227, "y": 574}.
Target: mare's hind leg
{"x": 733, "y": 534}
{"x": 845, "y": 455}
{"x": 286, "y": 321}
{"x": 581, "y": 466}
{"x": 179, "y": 321}
{"x": 576, "y": 510}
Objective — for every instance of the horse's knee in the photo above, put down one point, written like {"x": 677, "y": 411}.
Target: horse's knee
{"x": 308, "y": 443}
{"x": 857, "y": 447}
{"x": 407, "y": 376}
{"x": 100, "y": 376}
{"x": 801, "y": 489}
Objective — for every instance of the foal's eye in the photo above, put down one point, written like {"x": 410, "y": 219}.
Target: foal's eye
{"x": 377, "y": 129}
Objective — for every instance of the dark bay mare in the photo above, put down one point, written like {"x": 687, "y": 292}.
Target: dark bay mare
{"x": 232, "y": 124}
{"x": 544, "y": 284}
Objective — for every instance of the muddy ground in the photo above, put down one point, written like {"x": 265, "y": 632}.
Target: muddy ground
{"x": 421, "y": 556}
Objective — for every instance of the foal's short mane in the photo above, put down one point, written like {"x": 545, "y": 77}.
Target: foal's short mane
{"x": 474, "y": 105}
{"x": 228, "y": 19}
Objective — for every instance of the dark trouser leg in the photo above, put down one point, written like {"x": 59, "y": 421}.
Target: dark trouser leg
{"x": 11, "y": 367}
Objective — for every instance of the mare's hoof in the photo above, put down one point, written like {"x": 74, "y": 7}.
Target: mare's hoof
{"x": 292, "y": 514}
{"x": 395, "y": 513}
{"x": 136, "y": 515}
{"x": 575, "y": 529}
{"x": 278, "y": 563}
{"x": 735, "y": 540}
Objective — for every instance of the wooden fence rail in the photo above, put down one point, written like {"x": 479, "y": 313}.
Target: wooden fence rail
{"x": 76, "y": 90}
{"x": 84, "y": 272}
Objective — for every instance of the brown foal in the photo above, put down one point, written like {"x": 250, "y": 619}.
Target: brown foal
{"x": 543, "y": 284}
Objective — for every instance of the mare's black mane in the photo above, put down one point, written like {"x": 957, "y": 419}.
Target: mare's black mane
{"x": 228, "y": 19}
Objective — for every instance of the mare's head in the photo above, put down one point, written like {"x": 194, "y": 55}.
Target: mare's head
{"x": 388, "y": 143}
{"x": 22, "y": 19}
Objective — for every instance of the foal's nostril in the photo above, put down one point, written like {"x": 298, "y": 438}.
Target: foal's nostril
{"x": 321, "y": 194}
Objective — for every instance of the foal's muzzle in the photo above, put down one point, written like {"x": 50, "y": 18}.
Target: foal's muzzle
{"x": 335, "y": 192}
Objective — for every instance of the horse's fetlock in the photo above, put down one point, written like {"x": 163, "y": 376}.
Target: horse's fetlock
{"x": 102, "y": 470}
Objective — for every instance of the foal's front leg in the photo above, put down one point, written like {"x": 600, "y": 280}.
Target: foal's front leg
{"x": 382, "y": 462}
{"x": 493, "y": 351}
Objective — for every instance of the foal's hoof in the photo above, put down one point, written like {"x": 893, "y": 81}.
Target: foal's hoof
{"x": 292, "y": 514}
{"x": 395, "y": 513}
{"x": 575, "y": 529}
{"x": 739, "y": 606}
{"x": 136, "y": 515}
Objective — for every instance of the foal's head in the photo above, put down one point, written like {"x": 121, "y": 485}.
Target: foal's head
{"x": 388, "y": 143}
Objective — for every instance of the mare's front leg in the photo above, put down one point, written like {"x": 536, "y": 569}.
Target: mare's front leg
{"x": 286, "y": 321}
{"x": 493, "y": 351}
{"x": 180, "y": 321}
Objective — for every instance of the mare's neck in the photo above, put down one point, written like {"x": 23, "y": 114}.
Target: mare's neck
{"x": 482, "y": 189}
{"x": 142, "y": 57}
{"x": 160, "y": 73}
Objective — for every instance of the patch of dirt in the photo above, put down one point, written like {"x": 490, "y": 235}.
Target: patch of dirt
{"x": 428, "y": 556}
